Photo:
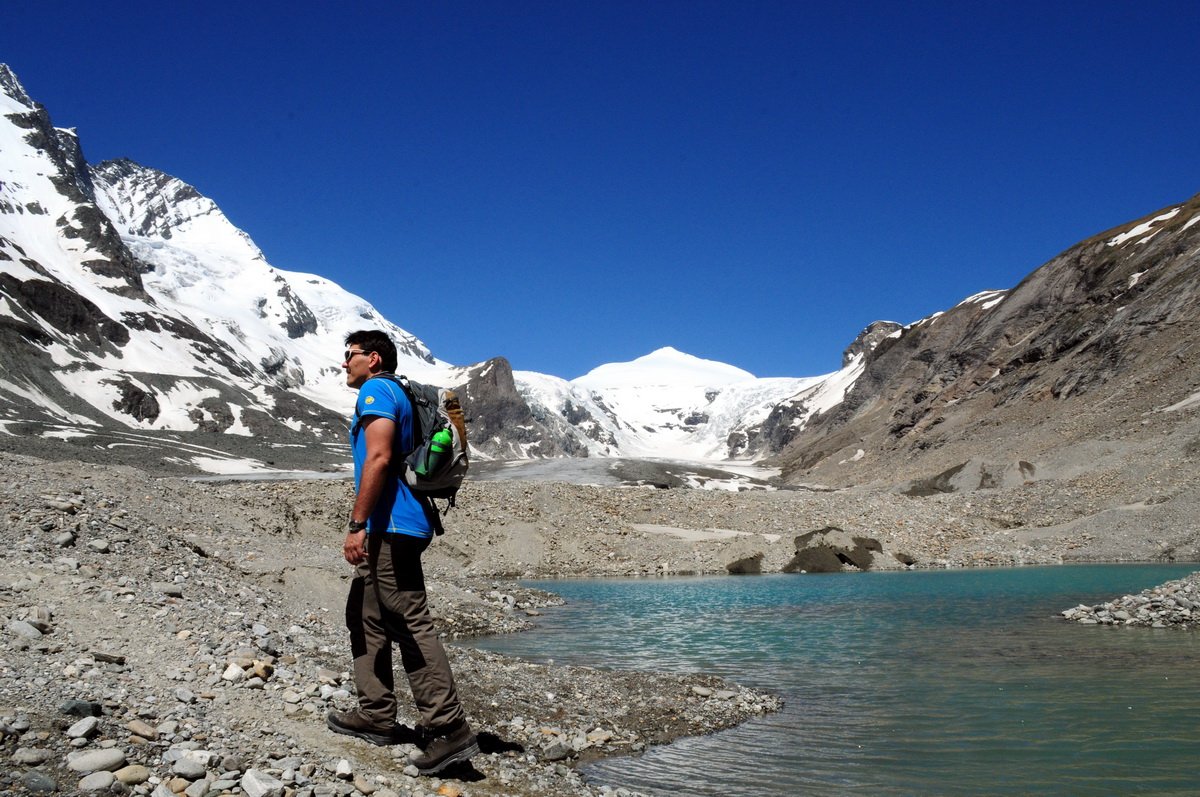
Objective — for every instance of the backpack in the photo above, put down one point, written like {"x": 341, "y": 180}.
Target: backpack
{"x": 428, "y": 469}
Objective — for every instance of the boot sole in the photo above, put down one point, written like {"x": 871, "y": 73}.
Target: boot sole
{"x": 380, "y": 739}
{"x": 457, "y": 757}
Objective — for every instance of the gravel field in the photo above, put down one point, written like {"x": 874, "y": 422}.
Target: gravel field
{"x": 170, "y": 636}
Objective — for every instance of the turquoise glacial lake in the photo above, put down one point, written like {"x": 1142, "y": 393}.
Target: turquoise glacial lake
{"x": 961, "y": 682}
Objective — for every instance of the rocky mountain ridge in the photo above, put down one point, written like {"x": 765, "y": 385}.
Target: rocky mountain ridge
{"x": 1092, "y": 356}
{"x": 132, "y": 306}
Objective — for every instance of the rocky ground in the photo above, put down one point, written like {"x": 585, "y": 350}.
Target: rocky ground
{"x": 166, "y": 636}
{"x": 1176, "y": 603}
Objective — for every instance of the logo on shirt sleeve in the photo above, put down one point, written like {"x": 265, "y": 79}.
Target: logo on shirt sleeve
{"x": 370, "y": 400}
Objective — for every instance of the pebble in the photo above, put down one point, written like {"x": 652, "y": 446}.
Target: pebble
{"x": 86, "y": 728}
{"x": 170, "y": 590}
{"x": 257, "y": 783}
{"x": 189, "y": 768}
{"x": 39, "y": 782}
{"x": 96, "y": 760}
{"x": 142, "y": 729}
{"x": 31, "y": 756}
{"x": 81, "y": 708}
{"x": 132, "y": 775}
{"x": 24, "y": 629}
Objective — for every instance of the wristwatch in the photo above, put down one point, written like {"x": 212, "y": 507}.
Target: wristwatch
{"x": 355, "y": 525}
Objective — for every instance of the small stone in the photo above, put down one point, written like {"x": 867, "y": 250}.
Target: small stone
{"x": 189, "y": 768}
{"x": 24, "y": 629}
{"x": 233, "y": 763}
{"x": 177, "y": 784}
{"x": 31, "y": 756}
{"x": 97, "y": 781}
{"x": 168, "y": 589}
{"x": 256, "y": 783}
{"x": 702, "y": 691}
{"x": 599, "y": 736}
{"x": 142, "y": 729}
{"x": 557, "y": 751}
{"x": 233, "y": 673}
{"x": 132, "y": 775}
{"x": 344, "y": 771}
{"x": 39, "y": 782}
{"x": 81, "y": 708}
{"x": 86, "y": 728}
{"x": 99, "y": 545}
{"x": 198, "y": 789}
{"x": 96, "y": 760}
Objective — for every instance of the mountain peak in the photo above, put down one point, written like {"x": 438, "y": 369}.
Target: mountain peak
{"x": 664, "y": 366}
{"x": 11, "y": 87}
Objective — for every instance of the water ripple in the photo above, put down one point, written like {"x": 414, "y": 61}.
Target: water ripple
{"x": 916, "y": 683}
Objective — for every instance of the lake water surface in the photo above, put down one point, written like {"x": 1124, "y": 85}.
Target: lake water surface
{"x": 932, "y": 682}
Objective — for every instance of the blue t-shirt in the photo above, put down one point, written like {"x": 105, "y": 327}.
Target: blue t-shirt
{"x": 397, "y": 510}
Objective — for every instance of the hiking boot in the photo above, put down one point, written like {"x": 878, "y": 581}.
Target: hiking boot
{"x": 453, "y": 746}
{"x": 353, "y": 723}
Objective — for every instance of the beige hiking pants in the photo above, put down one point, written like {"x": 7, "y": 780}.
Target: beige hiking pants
{"x": 387, "y": 604}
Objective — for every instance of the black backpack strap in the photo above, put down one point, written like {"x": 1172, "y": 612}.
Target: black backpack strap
{"x": 431, "y": 514}
{"x": 413, "y": 416}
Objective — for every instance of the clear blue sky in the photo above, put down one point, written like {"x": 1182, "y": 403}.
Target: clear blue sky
{"x": 749, "y": 182}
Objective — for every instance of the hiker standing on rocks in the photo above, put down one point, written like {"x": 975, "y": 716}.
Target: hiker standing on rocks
{"x": 389, "y": 529}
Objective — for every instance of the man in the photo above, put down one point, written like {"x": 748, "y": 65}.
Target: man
{"x": 389, "y": 529}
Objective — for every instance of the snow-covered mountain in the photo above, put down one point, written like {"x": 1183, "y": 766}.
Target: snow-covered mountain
{"x": 665, "y": 404}
{"x": 129, "y": 302}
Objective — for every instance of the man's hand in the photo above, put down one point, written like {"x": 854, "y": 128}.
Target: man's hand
{"x": 355, "y": 547}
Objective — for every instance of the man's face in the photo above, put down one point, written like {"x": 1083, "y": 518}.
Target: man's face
{"x": 358, "y": 365}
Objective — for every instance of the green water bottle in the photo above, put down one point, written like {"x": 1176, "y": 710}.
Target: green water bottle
{"x": 439, "y": 450}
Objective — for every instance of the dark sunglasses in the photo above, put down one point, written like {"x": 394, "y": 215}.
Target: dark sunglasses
{"x": 348, "y": 353}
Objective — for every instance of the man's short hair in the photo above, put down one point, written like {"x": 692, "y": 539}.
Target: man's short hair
{"x": 375, "y": 340}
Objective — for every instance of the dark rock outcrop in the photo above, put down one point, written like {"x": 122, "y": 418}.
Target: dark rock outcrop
{"x": 500, "y": 422}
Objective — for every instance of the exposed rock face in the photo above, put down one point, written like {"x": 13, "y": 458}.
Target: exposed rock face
{"x": 832, "y": 550}
{"x": 136, "y": 402}
{"x": 157, "y": 202}
{"x": 869, "y": 339}
{"x": 65, "y": 310}
{"x": 1097, "y": 343}
{"x": 499, "y": 421}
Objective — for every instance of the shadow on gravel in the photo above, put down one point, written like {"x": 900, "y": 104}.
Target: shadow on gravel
{"x": 465, "y": 772}
{"x": 491, "y": 743}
